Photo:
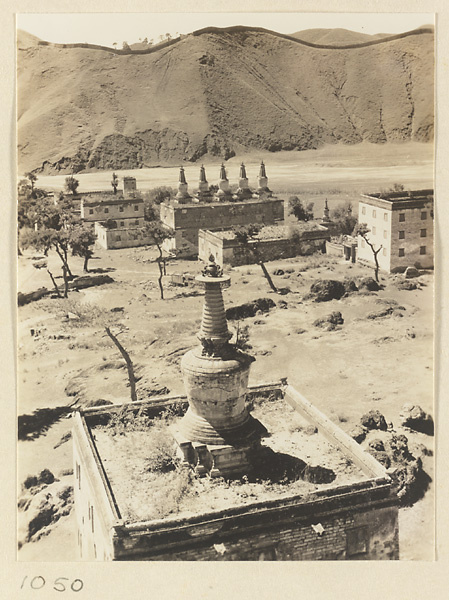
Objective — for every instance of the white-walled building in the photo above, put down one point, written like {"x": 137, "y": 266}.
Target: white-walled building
{"x": 402, "y": 224}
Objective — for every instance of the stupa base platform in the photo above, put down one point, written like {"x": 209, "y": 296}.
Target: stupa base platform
{"x": 217, "y": 460}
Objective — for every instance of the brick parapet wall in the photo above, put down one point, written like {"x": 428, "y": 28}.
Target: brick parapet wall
{"x": 277, "y": 529}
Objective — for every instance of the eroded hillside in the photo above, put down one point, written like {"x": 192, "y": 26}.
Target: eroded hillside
{"x": 217, "y": 93}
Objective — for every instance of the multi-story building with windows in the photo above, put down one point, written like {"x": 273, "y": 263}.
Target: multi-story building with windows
{"x": 401, "y": 224}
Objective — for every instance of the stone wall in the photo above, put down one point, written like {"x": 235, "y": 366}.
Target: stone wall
{"x": 122, "y": 237}
{"x": 357, "y": 521}
{"x": 190, "y": 218}
{"x": 112, "y": 209}
{"x": 365, "y": 535}
{"x": 228, "y": 251}
{"x": 417, "y": 230}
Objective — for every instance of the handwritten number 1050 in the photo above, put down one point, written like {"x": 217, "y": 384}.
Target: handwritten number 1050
{"x": 60, "y": 585}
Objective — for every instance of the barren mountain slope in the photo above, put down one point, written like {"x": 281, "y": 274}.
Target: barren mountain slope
{"x": 217, "y": 93}
{"x": 334, "y": 36}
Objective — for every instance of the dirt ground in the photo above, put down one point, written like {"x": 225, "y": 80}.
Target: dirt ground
{"x": 367, "y": 363}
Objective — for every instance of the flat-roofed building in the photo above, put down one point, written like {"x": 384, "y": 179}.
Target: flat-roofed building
{"x": 402, "y": 224}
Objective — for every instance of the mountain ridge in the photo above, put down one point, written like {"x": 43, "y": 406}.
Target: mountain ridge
{"x": 217, "y": 93}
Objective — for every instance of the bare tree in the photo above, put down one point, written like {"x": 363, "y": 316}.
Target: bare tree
{"x": 157, "y": 232}
{"x": 128, "y": 361}
{"x": 362, "y": 230}
{"x": 247, "y": 236}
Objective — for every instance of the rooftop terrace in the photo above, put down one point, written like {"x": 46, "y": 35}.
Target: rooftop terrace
{"x": 304, "y": 457}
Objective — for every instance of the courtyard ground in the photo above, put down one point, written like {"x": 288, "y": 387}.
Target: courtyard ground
{"x": 367, "y": 363}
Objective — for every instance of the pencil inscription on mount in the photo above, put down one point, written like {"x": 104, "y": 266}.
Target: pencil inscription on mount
{"x": 219, "y": 92}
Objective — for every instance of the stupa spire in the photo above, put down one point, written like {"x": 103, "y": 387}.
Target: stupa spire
{"x": 182, "y": 176}
{"x": 217, "y": 435}
{"x": 263, "y": 189}
{"x": 243, "y": 192}
{"x": 203, "y": 174}
{"x": 224, "y": 190}
{"x": 183, "y": 195}
{"x": 326, "y": 211}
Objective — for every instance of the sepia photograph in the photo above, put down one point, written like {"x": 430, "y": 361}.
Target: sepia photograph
{"x": 225, "y": 286}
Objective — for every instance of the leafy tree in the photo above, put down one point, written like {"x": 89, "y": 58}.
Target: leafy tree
{"x": 362, "y": 230}
{"x": 71, "y": 184}
{"x": 301, "y": 212}
{"x": 52, "y": 230}
{"x": 157, "y": 232}
{"x": 247, "y": 236}
{"x": 344, "y": 217}
{"x": 32, "y": 179}
{"x": 82, "y": 238}
{"x": 160, "y": 194}
{"x": 114, "y": 182}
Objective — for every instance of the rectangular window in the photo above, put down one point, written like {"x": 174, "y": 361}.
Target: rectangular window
{"x": 374, "y": 231}
{"x": 363, "y": 210}
{"x": 122, "y": 223}
{"x": 136, "y": 207}
{"x": 106, "y": 210}
{"x": 384, "y": 252}
{"x": 385, "y": 216}
{"x": 118, "y": 238}
{"x": 423, "y": 216}
{"x": 385, "y": 234}
{"x": 136, "y": 222}
{"x": 422, "y": 250}
{"x": 401, "y": 252}
{"x": 356, "y": 541}
{"x": 402, "y": 235}
{"x": 374, "y": 214}
{"x": 91, "y": 211}
{"x": 401, "y": 217}
{"x": 121, "y": 209}
{"x": 423, "y": 233}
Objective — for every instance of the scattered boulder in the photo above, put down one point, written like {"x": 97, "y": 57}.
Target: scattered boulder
{"x": 381, "y": 456}
{"x": 381, "y": 314}
{"x": 249, "y": 309}
{"x": 411, "y": 272}
{"x": 324, "y": 290}
{"x": 370, "y": 284}
{"x": 406, "y": 285}
{"x": 278, "y": 272}
{"x": 374, "y": 420}
{"x": 40, "y": 508}
{"x": 23, "y": 299}
{"x": 330, "y": 322}
{"x": 350, "y": 286}
{"x": 310, "y": 430}
{"x": 86, "y": 281}
{"x": 358, "y": 433}
{"x": 377, "y": 445}
{"x": 414, "y": 417}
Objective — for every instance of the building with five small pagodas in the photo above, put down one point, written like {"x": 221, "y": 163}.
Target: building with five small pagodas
{"x": 217, "y": 210}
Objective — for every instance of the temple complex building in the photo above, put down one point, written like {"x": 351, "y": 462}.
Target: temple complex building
{"x": 231, "y": 489}
{"x": 220, "y": 211}
{"x": 401, "y": 224}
